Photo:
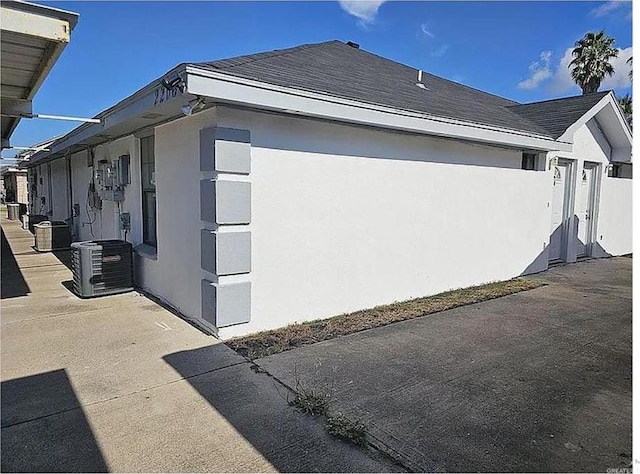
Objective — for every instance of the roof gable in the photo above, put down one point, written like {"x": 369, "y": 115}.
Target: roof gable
{"x": 557, "y": 115}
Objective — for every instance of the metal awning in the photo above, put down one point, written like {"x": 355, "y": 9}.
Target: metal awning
{"x": 32, "y": 36}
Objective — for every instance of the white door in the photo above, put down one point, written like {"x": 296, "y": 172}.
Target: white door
{"x": 558, "y": 212}
{"x": 584, "y": 209}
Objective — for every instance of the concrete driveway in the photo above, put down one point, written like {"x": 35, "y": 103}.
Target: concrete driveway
{"x": 120, "y": 384}
{"x": 535, "y": 381}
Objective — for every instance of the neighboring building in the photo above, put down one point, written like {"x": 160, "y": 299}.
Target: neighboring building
{"x": 323, "y": 179}
{"x": 33, "y": 37}
{"x": 15, "y": 185}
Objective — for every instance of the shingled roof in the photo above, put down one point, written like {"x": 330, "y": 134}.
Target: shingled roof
{"x": 557, "y": 115}
{"x": 340, "y": 70}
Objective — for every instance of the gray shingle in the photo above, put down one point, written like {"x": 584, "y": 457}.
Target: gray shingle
{"x": 557, "y": 115}
{"x": 339, "y": 70}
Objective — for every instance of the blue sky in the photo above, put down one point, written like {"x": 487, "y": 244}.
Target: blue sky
{"x": 517, "y": 50}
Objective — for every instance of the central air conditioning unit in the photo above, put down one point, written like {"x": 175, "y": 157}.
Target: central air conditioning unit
{"x": 36, "y": 219}
{"x": 13, "y": 211}
{"x": 52, "y": 235}
{"x": 101, "y": 267}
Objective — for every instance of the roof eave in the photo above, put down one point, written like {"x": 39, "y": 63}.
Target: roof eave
{"x": 226, "y": 88}
{"x": 621, "y": 152}
{"x": 143, "y": 101}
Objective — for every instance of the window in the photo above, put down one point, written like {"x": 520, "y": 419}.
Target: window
{"x": 614, "y": 171}
{"x": 529, "y": 161}
{"x": 148, "y": 173}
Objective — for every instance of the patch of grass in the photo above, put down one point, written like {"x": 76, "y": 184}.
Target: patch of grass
{"x": 311, "y": 402}
{"x": 271, "y": 342}
{"x": 344, "y": 428}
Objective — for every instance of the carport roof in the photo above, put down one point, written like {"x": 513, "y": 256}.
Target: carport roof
{"x": 33, "y": 36}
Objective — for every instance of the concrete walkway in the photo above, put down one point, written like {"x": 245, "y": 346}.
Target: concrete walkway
{"x": 538, "y": 381}
{"x": 120, "y": 384}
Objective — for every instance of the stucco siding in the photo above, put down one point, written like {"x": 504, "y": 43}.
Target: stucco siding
{"x": 614, "y": 217}
{"x": 346, "y": 218}
{"x": 338, "y": 217}
{"x": 176, "y": 273}
{"x": 59, "y": 205}
{"x": 615, "y": 226}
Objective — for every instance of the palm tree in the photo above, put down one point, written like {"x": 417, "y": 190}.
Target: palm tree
{"x": 590, "y": 62}
{"x": 626, "y": 104}
{"x": 630, "y": 63}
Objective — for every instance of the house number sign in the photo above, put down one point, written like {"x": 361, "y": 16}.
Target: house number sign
{"x": 162, "y": 94}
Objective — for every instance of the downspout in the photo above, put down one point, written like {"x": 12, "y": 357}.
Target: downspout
{"x": 70, "y": 218}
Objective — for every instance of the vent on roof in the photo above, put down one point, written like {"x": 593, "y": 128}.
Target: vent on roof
{"x": 353, "y": 45}
{"x": 419, "y": 83}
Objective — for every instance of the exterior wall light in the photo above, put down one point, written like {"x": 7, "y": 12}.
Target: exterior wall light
{"x": 193, "y": 106}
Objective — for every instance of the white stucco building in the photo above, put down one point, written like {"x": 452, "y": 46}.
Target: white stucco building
{"x": 304, "y": 183}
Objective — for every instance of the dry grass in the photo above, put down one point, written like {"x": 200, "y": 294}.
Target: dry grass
{"x": 347, "y": 429}
{"x": 271, "y": 342}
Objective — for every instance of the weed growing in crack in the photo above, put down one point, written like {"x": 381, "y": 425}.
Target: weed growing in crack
{"x": 314, "y": 401}
{"x": 342, "y": 427}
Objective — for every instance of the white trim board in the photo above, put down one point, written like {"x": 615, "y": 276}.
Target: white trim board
{"x": 234, "y": 90}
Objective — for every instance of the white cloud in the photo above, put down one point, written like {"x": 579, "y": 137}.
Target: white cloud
{"x": 562, "y": 81}
{"x": 428, "y": 37}
{"x": 620, "y": 78}
{"x": 540, "y": 72}
{"x": 557, "y": 78}
{"x": 439, "y": 51}
{"x": 364, "y": 10}
{"x": 425, "y": 31}
{"x": 609, "y": 7}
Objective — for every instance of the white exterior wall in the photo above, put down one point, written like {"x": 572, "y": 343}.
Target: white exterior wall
{"x": 175, "y": 276}
{"x": 17, "y": 183}
{"x": 106, "y": 224}
{"x": 59, "y": 205}
{"x": 80, "y": 178}
{"x": 614, "y": 226}
{"x": 21, "y": 188}
{"x": 43, "y": 189}
{"x": 345, "y": 218}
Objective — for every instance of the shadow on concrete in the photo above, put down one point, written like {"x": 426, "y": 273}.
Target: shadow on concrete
{"x": 64, "y": 256}
{"x": 58, "y": 437}
{"x": 256, "y": 405}
{"x": 541, "y": 262}
{"x": 12, "y": 283}
{"x": 68, "y": 284}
